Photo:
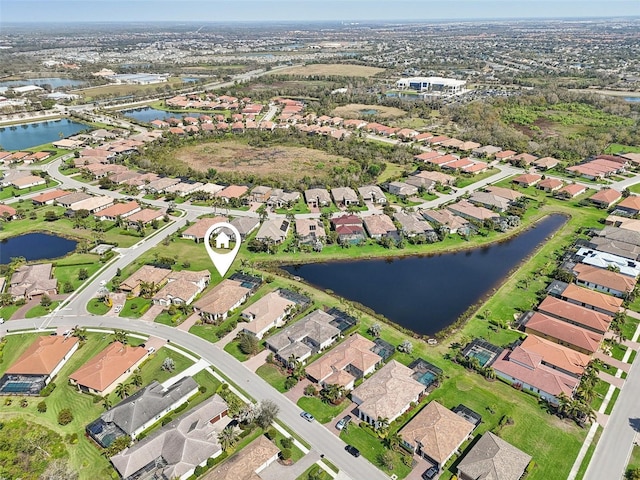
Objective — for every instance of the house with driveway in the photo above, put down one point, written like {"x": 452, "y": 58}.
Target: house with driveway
{"x": 346, "y": 363}
{"x": 317, "y": 197}
{"x": 379, "y": 226}
{"x": 182, "y": 288}
{"x": 471, "y": 212}
{"x": 572, "y": 336}
{"x": 216, "y": 304}
{"x": 600, "y": 302}
{"x": 309, "y": 335}
{"x": 29, "y": 281}
{"x": 436, "y": 433}
{"x": 602, "y": 280}
{"x": 345, "y": 196}
{"x": 247, "y": 463}
{"x": 493, "y": 458}
{"x": 266, "y": 313}
{"x": 445, "y": 218}
{"x": 310, "y": 230}
{"x": 575, "y": 315}
{"x": 373, "y": 194}
{"x": 273, "y": 230}
{"x": 145, "y": 274}
{"x": 402, "y": 189}
{"x": 387, "y": 394}
{"x": 349, "y": 228}
{"x": 198, "y": 230}
{"x": 412, "y": 224}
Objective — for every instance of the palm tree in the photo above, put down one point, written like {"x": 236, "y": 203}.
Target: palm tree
{"x": 392, "y": 441}
{"x": 382, "y": 427}
{"x": 120, "y": 336}
{"x": 227, "y": 438}
{"x": 80, "y": 333}
{"x": 332, "y": 393}
{"x": 563, "y": 404}
{"x": 136, "y": 379}
{"x": 107, "y": 403}
{"x": 123, "y": 390}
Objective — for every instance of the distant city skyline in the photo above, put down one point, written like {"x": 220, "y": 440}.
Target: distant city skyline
{"x": 12, "y": 11}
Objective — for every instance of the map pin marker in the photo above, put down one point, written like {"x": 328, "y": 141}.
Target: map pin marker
{"x": 222, "y": 261}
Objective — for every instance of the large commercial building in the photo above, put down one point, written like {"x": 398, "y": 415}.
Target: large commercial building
{"x": 433, "y": 85}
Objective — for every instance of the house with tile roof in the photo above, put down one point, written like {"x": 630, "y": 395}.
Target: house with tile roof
{"x": 603, "y": 280}
{"x": 490, "y": 201}
{"x": 266, "y": 313}
{"x": 29, "y": 281}
{"x": 605, "y": 198}
{"x": 505, "y": 193}
{"x": 387, "y": 394}
{"x": 436, "y": 433}
{"x": 344, "y": 196}
{"x": 245, "y": 225}
{"x": 121, "y": 210}
{"x": 523, "y": 159}
{"x": 145, "y": 274}
{"x": 373, "y": 194}
{"x": 247, "y": 463}
{"x": 178, "y": 448}
{"x": 349, "y": 228}
{"x": 310, "y": 230}
{"x": 550, "y": 185}
{"x": 182, "y": 288}
{"x": 492, "y": 458}
{"x": 570, "y": 191}
{"x": 412, "y": 224}
{"x": 562, "y": 333}
{"x": 527, "y": 179}
{"x": 630, "y": 205}
{"x": 445, "y": 218}
{"x": 351, "y": 360}
{"x": 546, "y": 163}
{"x": 379, "y": 226}
{"x": 113, "y": 365}
{"x": 273, "y": 230}
{"x": 469, "y": 211}
{"x": 216, "y": 304}
{"x": 317, "y": 197}
{"x": 575, "y": 314}
{"x": 197, "y": 231}
{"x": 584, "y": 297}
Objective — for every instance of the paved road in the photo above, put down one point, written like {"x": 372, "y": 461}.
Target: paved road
{"x": 315, "y": 434}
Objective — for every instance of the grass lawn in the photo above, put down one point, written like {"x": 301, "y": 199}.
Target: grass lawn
{"x": 630, "y": 326}
{"x": 40, "y": 311}
{"x": 10, "y": 192}
{"x": 371, "y": 448}
{"x": 314, "y": 472}
{"x": 272, "y": 375}
{"x": 587, "y": 458}
{"x": 634, "y": 460}
{"x": 68, "y": 268}
{"x": 323, "y": 412}
{"x": 296, "y": 453}
{"x": 462, "y": 182}
{"x": 97, "y": 307}
{"x": 170, "y": 320}
{"x": 619, "y": 148}
{"x": 8, "y": 311}
{"x": 233, "y": 348}
{"x": 612, "y": 401}
{"x": 299, "y": 207}
{"x": 393, "y": 170}
{"x": 135, "y": 307}
{"x": 601, "y": 390}
{"x": 618, "y": 351}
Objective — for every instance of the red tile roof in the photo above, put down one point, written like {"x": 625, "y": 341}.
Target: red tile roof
{"x": 43, "y": 355}
{"x": 573, "y": 313}
{"x": 564, "y": 332}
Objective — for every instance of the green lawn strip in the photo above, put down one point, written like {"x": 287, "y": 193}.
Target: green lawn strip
{"x": 14, "y": 346}
{"x": 299, "y": 207}
{"x": 632, "y": 357}
{"x": 630, "y": 326}
{"x": 292, "y": 434}
{"x": 11, "y": 192}
{"x": 233, "y": 348}
{"x": 618, "y": 351}
{"x": 315, "y": 472}
{"x": 371, "y": 448}
{"x": 135, "y": 307}
{"x": 69, "y": 272}
{"x": 272, "y": 375}
{"x": 600, "y": 390}
{"x": 97, "y": 307}
{"x": 323, "y": 412}
{"x": 394, "y": 199}
{"x": 587, "y": 458}
{"x": 330, "y": 465}
{"x": 612, "y": 401}
{"x": 205, "y": 379}
{"x": 619, "y": 148}
{"x": 462, "y": 182}
{"x": 296, "y": 453}
{"x": 40, "y": 311}
{"x": 8, "y": 311}
{"x": 170, "y": 320}
{"x": 634, "y": 460}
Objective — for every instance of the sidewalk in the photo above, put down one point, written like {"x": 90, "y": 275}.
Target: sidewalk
{"x": 614, "y": 362}
{"x": 189, "y": 372}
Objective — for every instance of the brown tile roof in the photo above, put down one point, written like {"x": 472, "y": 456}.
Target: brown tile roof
{"x": 355, "y": 351}
{"x": 199, "y": 229}
{"x": 564, "y": 332}
{"x": 573, "y": 189}
{"x": 438, "y": 430}
{"x": 118, "y": 209}
{"x": 571, "y": 312}
{"x": 48, "y": 196}
{"x": 504, "y": 192}
{"x": 606, "y": 196}
{"x": 550, "y": 184}
{"x": 632, "y": 202}
{"x": 605, "y": 278}
{"x": 146, "y": 273}
{"x": 595, "y": 299}
{"x": 6, "y": 209}
{"x": 233, "y": 191}
{"x": 526, "y": 158}
{"x": 222, "y": 297}
{"x": 43, "y": 355}
{"x": 244, "y": 464}
{"x": 266, "y": 310}
{"x": 527, "y": 179}
{"x": 505, "y": 154}
{"x": 146, "y": 215}
{"x": 556, "y": 355}
{"x": 110, "y": 364}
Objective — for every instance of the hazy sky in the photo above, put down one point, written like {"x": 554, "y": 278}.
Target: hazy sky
{"x": 304, "y": 10}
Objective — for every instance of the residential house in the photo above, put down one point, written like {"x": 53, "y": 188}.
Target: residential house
{"x": 47, "y": 198}
{"x": 232, "y": 191}
{"x": 247, "y": 463}
{"x": 344, "y": 196}
{"x": 402, "y": 189}
{"x": 182, "y": 288}
{"x": 427, "y": 156}
{"x": 421, "y": 183}
{"x": 506, "y": 193}
{"x": 7, "y": 212}
{"x": 605, "y": 198}
{"x": 136, "y": 413}
{"x": 311, "y": 334}
{"x": 268, "y": 312}
{"x": 490, "y": 201}
{"x": 571, "y": 190}
{"x": 245, "y": 225}
{"x": 546, "y": 163}
{"x": 373, "y": 194}
{"x": 281, "y": 199}
{"x": 438, "y": 177}
{"x": 607, "y": 261}
{"x": 412, "y": 224}
{"x": 112, "y": 366}
{"x": 600, "y": 302}
{"x": 505, "y": 155}
{"x": 9, "y": 176}
{"x": 92, "y": 204}
{"x": 562, "y": 333}
{"x": 387, "y": 394}
{"x": 475, "y": 168}
{"x": 184, "y": 189}
{"x": 379, "y": 226}
{"x": 491, "y": 458}
{"x": 145, "y": 217}
{"x": 351, "y": 360}
{"x": 550, "y": 185}
{"x": 198, "y": 230}
{"x": 604, "y": 280}
{"x": 487, "y": 151}
{"x": 469, "y": 211}
{"x": 445, "y": 218}
{"x": 273, "y": 230}
{"x": 630, "y": 205}
{"x": 216, "y": 304}
{"x": 29, "y": 281}
{"x": 118, "y": 210}
{"x": 178, "y": 448}
{"x": 310, "y": 230}
{"x": 349, "y": 228}
{"x": 542, "y": 367}
{"x": 261, "y": 193}
{"x": 573, "y": 314}
{"x": 160, "y": 185}
{"x": 28, "y": 182}
{"x": 39, "y": 364}
{"x": 146, "y": 274}
{"x": 317, "y": 197}
{"x": 527, "y": 179}
{"x": 523, "y": 159}
{"x": 436, "y": 433}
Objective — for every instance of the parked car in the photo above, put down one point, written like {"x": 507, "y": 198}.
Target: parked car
{"x": 429, "y": 474}
{"x": 151, "y": 350}
{"x": 117, "y": 309}
{"x": 352, "y": 450}
{"x": 343, "y": 422}
{"x": 307, "y": 416}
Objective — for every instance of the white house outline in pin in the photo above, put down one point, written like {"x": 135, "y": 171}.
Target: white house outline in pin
{"x": 222, "y": 261}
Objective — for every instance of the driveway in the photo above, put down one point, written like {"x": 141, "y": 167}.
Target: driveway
{"x": 151, "y": 314}
{"x": 350, "y": 410}
{"x": 257, "y": 361}
{"x": 297, "y": 392}
{"x": 421, "y": 467}
{"x": 189, "y": 322}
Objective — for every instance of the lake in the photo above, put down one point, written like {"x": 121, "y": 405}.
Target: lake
{"x": 427, "y": 294}
{"x": 54, "y": 82}
{"x": 27, "y": 135}
{"x": 148, "y": 114}
{"x": 35, "y": 246}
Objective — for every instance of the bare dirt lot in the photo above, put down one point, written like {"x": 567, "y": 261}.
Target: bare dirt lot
{"x": 332, "y": 69}
{"x": 358, "y": 110}
{"x": 293, "y": 163}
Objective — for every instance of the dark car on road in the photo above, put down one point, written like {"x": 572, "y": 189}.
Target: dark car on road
{"x": 429, "y": 474}
{"x": 352, "y": 450}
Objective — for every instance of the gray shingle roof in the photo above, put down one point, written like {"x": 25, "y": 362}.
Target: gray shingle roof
{"x": 491, "y": 458}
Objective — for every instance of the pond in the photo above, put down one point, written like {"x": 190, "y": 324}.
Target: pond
{"x": 427, "y": 294}
{"x": 54, "y": 82}
{"x": 369, "y": 111}
{"x": 148, "y": 114}
{"x": 28, "y": 135}
{"x": 35, "y": 246}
